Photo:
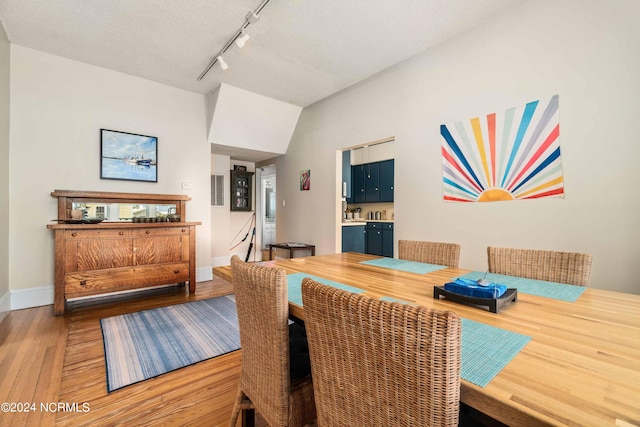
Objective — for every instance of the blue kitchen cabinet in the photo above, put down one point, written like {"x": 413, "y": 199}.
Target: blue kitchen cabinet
{"x": 357, "y": 182}
{"x": 386, "y": 180}
{"x": 380, "y": 238}
{"x": 374, "y": 239}
{"x": 372, "y": 182}
{"x": 387, "y": 239}
{"x": 353, "y": 238}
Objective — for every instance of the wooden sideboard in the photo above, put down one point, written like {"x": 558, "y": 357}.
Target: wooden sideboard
{"x": 93, "y": 259}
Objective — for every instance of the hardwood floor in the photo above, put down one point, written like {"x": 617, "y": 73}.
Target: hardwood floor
{"x": 48, "y": 360}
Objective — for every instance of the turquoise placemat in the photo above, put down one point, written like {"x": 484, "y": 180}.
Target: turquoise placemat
{"x": 486, "y": 350}
{"x": 294, "y": 282}
{"x": 541, "y": 288}
{"x": 404, "y": 265}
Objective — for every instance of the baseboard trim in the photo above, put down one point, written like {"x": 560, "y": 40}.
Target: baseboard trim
{"x": 32, "y": 297}
{"x": 204, "y": 274}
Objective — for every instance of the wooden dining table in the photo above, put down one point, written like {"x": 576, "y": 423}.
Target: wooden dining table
{"x": 580, "y": 368}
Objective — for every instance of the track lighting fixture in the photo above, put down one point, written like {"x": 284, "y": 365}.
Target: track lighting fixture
{"x": 240, "y": 41}
{"x": 240, "y": 38}
{"x": 221, "y": 62}
{"x": 251, "y": 17}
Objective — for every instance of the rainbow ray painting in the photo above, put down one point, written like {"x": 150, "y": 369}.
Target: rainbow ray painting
{"x": 513, "y": 155}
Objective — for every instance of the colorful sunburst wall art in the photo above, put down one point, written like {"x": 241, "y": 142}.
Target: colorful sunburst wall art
{"x": 513, "y": 155}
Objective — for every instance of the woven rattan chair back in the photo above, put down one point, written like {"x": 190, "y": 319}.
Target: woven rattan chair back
{"x": 263, "y": 313}
{"x": 430, "y": 252}
{"x": 378, "y": 363}
{"x": 563, "y": 267}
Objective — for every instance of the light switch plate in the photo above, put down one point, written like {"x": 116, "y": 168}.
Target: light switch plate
{"x": 186, "y": 185}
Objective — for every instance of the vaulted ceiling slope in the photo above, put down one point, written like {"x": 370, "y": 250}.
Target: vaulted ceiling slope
{"x": 299, "y": 51}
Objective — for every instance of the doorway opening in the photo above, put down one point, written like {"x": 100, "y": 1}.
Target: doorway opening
{"x": 268, "y": 207}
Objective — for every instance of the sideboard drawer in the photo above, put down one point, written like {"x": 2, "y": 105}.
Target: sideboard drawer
{"x": 97, "y": 233}
{"x": 118, "y": 279}
{"x": 161, "y": 231}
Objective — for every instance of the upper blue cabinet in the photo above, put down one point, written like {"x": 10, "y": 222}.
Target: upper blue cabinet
{"x": 386, "y": 180}
{"x": 357, "y": 180}
{"x": 372, "y": 182}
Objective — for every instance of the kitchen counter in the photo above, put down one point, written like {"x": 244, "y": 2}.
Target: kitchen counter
{"x": 349, "y": 222}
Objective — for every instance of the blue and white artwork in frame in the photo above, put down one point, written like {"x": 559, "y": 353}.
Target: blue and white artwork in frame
{"x": 128, "y": 156}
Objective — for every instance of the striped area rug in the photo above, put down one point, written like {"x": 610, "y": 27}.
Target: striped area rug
{"x": 143, "y": 345}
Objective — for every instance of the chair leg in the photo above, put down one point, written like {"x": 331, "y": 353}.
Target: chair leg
{"x": 236, "y": 409}
{"x": 242, "y": 403}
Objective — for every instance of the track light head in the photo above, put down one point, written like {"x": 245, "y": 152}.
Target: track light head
{"x": 242, "y": 39}
{"x": 252, "y": 17}
{"x": 221, "y": 62}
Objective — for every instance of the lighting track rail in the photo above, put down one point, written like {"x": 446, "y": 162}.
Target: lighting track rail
{"x": 240, "y": 37}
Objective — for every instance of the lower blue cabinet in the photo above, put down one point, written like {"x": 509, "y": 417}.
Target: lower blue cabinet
{"x": 380, "y": 239}
{"x": 353, "y": 239}
{"x": 387, "y": 242}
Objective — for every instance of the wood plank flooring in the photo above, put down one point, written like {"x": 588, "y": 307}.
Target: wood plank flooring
{"x": 47, "y": 359}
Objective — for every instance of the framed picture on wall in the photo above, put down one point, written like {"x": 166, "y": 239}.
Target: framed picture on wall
{"x": 128, "y": 156}
{"x": 305, "y": 180}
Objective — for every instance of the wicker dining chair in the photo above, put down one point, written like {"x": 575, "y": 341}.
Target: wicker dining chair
{"x": 563, "y": 267}
{"x": 265, "y": 382}
{"x": 378, "y": 363}
{"x": 430, "y": 252}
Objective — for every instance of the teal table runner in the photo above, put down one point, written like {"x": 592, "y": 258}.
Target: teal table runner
{"x": 404, "y": 265}
{"x": 486, "y": 350}
{"x": 541, "y": 288}
{"x": 294, "y": 281}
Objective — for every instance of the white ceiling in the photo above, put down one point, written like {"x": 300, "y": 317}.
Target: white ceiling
{"x": 300, "y": 51}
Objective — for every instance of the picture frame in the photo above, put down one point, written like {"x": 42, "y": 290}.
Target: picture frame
{"x": 128, "y": 156}
{"x": 305, "y": 180}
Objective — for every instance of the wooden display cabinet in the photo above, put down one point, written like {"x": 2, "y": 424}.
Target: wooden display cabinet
{"x": 241, "y": 190}
{"x": 93, "y": 257}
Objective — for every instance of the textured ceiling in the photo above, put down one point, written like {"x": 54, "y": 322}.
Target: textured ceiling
{"x": 300, "y": 51}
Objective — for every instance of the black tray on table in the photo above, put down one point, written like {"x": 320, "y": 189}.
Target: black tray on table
{"x": 494, "y": 304}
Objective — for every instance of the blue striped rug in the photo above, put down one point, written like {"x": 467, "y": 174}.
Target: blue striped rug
{"x": 143, "y": 345}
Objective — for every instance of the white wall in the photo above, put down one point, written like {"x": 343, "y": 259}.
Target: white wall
{"x": 230, "y": 227}
{"x": 4, "y": 172}
{"x": 57, "y": 109}
{"x": 220, "y": 215}
{"x": 584, "y": 50}
{"x": 247, "y": 120}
